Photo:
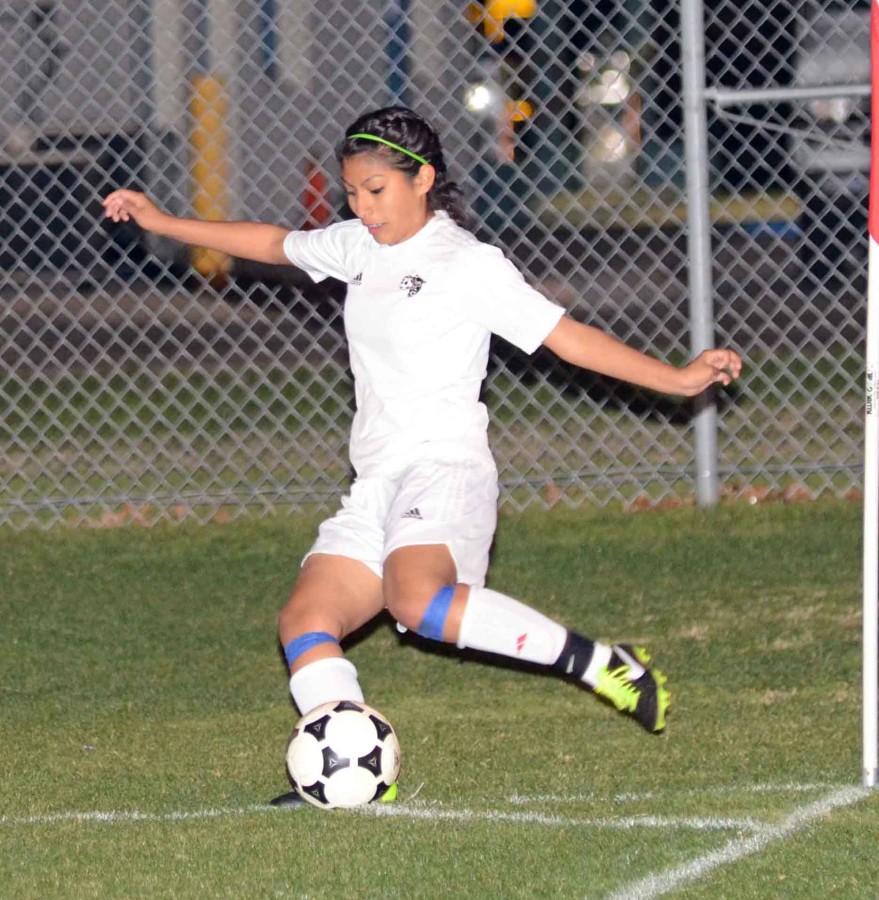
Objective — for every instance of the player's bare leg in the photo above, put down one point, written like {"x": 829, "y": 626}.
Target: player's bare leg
{"x": 331, "y": 593}
{"x": 413, "y": 576}
{"x": 422, "y": 593}
{"x": 333, "y": 596}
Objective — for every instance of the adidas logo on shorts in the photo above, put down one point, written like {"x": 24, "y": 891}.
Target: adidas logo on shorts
{"x": 413, "y": 513}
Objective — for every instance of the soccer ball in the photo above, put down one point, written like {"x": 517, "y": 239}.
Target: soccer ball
{"x": 343, "y": 754}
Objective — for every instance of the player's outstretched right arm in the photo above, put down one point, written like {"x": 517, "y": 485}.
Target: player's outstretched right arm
{"x": 246, "y": 240}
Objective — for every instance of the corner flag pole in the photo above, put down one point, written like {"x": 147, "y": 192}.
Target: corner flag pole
{"x": 871, "y": 442}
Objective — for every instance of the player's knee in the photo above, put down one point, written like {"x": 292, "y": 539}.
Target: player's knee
{"x": 406, "y": 608}
{"x": 424, "y": 612}
{"x": 296, "y": 618}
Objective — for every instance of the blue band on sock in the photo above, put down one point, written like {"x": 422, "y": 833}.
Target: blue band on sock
{"x": 305, "y": 642}
{"x": 435, "y": 615}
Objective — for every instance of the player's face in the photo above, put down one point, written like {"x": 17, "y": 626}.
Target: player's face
{"x": 391, "y": 204}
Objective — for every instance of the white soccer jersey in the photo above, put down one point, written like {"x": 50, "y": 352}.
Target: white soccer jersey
{"x": 418, "y": 319}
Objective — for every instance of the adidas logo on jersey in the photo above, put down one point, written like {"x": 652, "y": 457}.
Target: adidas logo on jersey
{"x": 357, "y": 280}
{"x": 413, "y": 513}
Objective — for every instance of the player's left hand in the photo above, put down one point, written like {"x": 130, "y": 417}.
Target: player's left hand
{"x": 710, "y": 367}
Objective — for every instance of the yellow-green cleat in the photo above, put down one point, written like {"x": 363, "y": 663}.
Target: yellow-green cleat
{"x": 390, "y": 795}
{"x": 633, "y": 688}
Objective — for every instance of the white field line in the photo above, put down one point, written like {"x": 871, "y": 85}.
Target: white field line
{"x": 708, "y": 790}
{"x": 401, "y": 810}
{"x": 436, "y": 813}
{"x": 738, "y": 848}
{"x": 129, "y": 816}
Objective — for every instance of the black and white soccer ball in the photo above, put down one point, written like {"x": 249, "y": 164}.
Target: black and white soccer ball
{"x": 343, "y": 754}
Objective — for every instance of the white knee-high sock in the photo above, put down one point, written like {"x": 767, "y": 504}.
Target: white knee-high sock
{"x": 495, "y": 623}
{"x": 323, "y": 681}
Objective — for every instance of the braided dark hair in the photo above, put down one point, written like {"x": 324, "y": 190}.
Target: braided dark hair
{"x": 404, "y": 127}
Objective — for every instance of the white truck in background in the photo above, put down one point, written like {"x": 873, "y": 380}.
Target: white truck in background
{"x": 830, "y": 146}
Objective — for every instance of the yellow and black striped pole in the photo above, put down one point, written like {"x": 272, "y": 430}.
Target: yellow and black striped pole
{"x": 209, "y": 167}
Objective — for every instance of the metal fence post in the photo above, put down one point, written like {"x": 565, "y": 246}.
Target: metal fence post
{"x": 699, "y": 240}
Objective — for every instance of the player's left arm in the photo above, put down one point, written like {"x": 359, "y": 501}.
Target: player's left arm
{"x": 593, "y": 349}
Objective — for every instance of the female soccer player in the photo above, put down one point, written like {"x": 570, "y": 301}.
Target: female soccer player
{"x": 413, "y": 534}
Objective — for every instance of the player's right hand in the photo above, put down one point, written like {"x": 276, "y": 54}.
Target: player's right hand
{"x": 124, "y": 205}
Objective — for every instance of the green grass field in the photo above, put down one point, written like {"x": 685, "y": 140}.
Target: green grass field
{"x": 145, "y": 715}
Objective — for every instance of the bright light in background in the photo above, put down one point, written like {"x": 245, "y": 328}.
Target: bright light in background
{"x": 835, "y": 109}
{"x": 612, "y": 145}
{"x": 478, "y": 98}
{"x": 612, "y": 88}
{"x": 607, "y": 86}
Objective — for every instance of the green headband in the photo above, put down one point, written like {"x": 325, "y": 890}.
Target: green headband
{"x": 391, "y": 144}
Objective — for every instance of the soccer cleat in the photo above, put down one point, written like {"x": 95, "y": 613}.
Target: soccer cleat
{"x": 292, "y": 798}
{"x": 390, "y": 795}
{"x": 632, "y": 688}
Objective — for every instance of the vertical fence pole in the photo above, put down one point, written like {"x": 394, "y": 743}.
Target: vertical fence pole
{"x": 699, "y": 240}
{"x": 208, "y": 138}
{"x": 870, "y": 623}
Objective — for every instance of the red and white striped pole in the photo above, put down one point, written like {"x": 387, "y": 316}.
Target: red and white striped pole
{"x": 871, "y": 443}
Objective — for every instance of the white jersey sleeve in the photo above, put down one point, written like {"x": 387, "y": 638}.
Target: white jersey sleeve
{"x": 500, "y": 299}
{"x": 330, "y": 252}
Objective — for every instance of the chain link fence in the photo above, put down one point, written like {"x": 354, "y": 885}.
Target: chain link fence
{"x": 141, "y": 380}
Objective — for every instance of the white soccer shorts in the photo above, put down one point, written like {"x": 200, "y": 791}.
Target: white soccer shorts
{"x": 450, "y": 503}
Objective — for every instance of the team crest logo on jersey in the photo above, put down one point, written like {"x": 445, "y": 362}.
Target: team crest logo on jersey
{"x": 411, "y": 284}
